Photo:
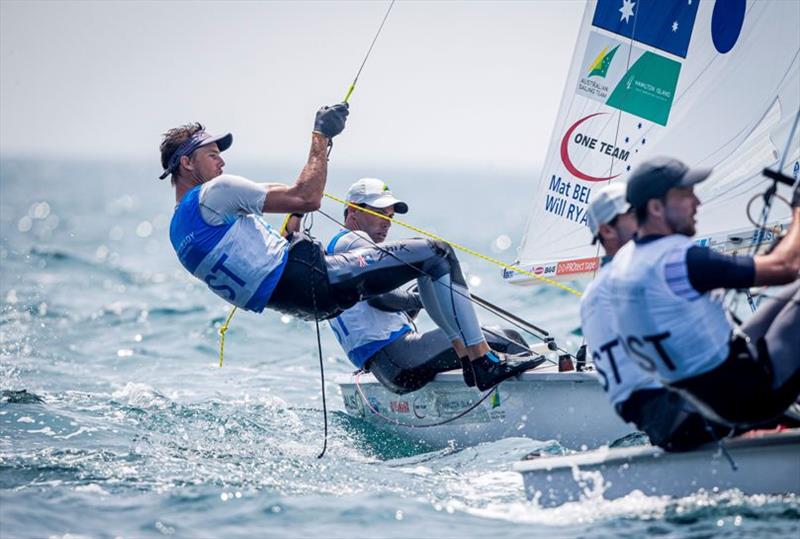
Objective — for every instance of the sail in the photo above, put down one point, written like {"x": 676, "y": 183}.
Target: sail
{"x": 714, "y": 84}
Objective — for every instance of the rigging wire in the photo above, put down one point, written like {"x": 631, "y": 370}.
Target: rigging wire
{"x": 224, "y": 328}
{"x": 366, "y": 56}
{"x": 310, "y": 222}
{"x": 769, "y": 193}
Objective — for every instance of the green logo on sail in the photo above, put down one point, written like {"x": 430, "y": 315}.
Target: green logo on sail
{"x": 600, "y": 65}
{"x": 648, "y": 88}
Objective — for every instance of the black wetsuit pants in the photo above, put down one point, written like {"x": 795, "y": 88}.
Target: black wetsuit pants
{"x": 669, "y": 420}
{"x": 316, "y": 285}
{"x": 760, "y": 378}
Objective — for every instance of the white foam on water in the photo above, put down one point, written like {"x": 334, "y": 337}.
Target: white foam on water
{"x": 46, "y": 431}
{"x": 78, "y": 432}
{"x": 635, "y": 504}
{"x": 92, "y": 488}
{"x": 141, "y": 396}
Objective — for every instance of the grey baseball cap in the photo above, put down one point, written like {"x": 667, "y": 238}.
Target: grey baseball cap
{"x": 653, "y": 178}
{"x": 606, "y": 205}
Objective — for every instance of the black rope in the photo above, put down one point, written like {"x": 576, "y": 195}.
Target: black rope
{"x": 720, "y": 442}
{"x": 308, "y": 223}
{"x": 322, "y": 384}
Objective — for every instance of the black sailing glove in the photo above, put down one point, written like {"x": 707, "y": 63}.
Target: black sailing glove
{"x": 330, "y": 120}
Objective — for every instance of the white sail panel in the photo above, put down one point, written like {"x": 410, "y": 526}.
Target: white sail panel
{"x": 706, "y": 82}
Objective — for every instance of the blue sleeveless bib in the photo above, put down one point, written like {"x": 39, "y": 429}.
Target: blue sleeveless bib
{"x": 241, "y": 261}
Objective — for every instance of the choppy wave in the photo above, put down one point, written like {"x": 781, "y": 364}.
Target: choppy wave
{"x": 116, "y": 420}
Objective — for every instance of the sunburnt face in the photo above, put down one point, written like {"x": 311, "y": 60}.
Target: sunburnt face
{"x": 680, "y": 209}
{"x": 376, "y": 227}
{"x": 205, "y": 163}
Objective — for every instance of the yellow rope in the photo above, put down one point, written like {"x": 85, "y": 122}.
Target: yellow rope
{"x": 285, "y": 223}
{"x": 222, "y": 331}
{"x": 459, "y": 247}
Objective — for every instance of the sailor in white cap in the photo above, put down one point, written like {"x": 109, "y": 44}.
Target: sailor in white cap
{"x": 638, "y": 397}
{"x": 378, "y": 335}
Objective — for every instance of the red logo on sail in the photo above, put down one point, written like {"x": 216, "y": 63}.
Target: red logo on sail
{"x": 570, "y": 166}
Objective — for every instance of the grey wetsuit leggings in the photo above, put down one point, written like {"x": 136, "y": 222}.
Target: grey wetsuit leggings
{"x": 315, "y": 284}
{"x": 777, "y": 322}
{"x": 415, "y": 359}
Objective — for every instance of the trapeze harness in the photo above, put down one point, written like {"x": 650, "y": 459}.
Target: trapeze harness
{"x": 328, "y": 284}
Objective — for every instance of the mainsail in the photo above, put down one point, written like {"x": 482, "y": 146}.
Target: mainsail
{"x": 715, "y": 84}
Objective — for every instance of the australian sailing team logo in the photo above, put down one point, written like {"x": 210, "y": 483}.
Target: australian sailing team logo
{"x": 600, "y": 66}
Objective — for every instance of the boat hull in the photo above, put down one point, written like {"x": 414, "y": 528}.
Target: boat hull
{"x": 768, "y": 464}
{"x": 568, "y": 407}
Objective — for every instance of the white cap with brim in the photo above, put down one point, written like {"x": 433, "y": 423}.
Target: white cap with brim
{"x": 374, "y": 192}
{"x": 607, "y": 204}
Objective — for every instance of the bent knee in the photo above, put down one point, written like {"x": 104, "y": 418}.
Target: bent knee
{"x": 442, "y": 249}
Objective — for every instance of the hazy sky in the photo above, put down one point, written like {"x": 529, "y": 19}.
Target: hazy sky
{"x": 448, "y": 83}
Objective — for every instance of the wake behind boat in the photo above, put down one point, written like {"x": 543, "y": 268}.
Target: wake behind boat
{"x": 762, "y": 464}
{"x": 541, "y": 404}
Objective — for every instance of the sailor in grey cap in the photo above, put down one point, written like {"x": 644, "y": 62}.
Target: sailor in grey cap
{"x": 637, "y": 395}
{"x": 669, "y": 322}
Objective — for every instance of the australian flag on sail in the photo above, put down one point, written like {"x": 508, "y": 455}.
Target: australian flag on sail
{"x": 663, "y": 24}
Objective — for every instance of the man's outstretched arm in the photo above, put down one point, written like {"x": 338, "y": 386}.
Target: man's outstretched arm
{"x": 306, "y": 193}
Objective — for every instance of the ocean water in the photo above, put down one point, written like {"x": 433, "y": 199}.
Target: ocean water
{"x": 116, "y": 421}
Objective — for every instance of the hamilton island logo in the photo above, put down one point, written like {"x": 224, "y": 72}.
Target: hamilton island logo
{"x": 601, "y": 63}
